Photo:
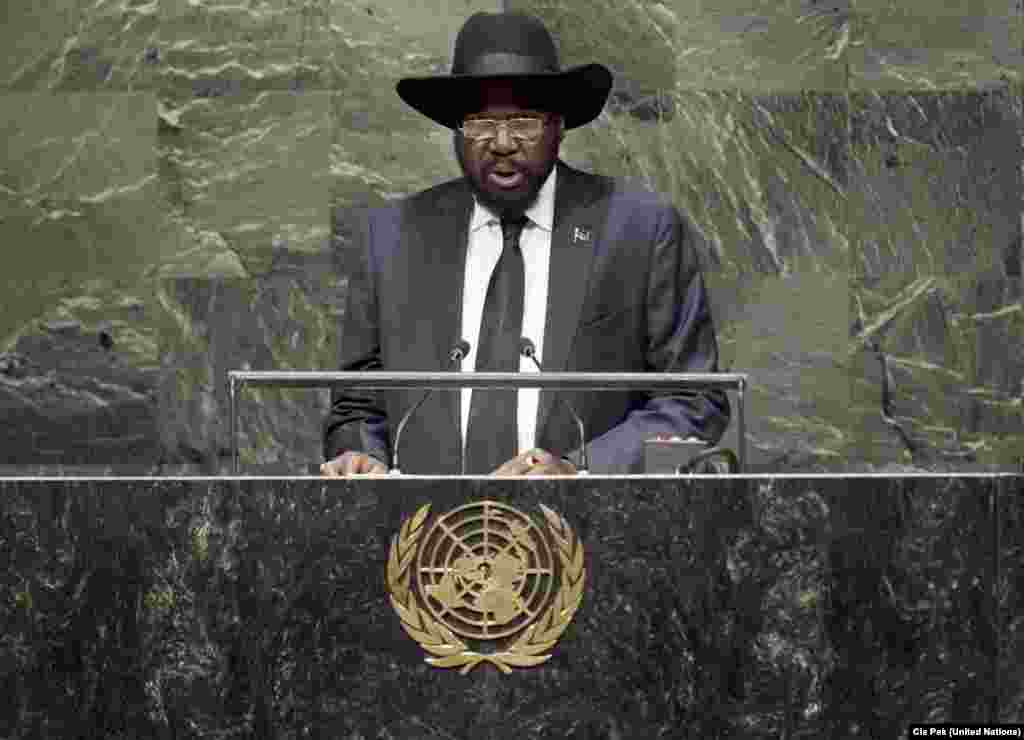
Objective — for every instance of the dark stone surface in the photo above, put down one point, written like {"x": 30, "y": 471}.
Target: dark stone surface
{"x": 744, "y": 607}
{"x": 69, "y": 396}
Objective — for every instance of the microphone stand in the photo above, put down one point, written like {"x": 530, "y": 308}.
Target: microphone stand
{"x": 527, "y": 349}
{"x": 459, "y": 351}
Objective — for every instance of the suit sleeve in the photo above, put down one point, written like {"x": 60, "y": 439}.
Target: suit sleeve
{"x": 357, "y": 420}
{"x": 680, "y": 338}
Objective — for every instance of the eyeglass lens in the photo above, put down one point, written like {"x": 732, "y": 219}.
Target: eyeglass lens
{"x": 519, "y": 128}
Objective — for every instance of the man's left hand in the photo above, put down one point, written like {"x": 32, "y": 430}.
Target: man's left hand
{"x": 536, "y": 462}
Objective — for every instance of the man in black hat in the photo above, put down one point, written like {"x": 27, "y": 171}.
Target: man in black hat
{"x": 522, "y": 253}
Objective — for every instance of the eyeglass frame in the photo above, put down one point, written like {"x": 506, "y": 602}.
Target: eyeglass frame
{"x": 544, "y": 118}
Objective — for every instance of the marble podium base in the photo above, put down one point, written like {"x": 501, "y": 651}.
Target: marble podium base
{"x": 712, "y": 607}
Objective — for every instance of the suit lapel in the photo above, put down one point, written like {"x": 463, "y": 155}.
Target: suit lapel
{"x": 440, "y": 243}
{"x": 578, "y": 224}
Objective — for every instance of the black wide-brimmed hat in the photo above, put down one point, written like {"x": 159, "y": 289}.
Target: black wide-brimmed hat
{"x": 508, "y": 47}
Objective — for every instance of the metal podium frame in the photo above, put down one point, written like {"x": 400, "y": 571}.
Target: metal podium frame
{"x": 456, "y": 380}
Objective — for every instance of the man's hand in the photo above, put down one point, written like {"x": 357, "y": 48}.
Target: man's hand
{"x": 352, "y": 463}
{"x": 536, "y": 462}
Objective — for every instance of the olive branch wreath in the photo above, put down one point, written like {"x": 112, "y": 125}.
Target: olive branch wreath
{"x": 529, "y": 648}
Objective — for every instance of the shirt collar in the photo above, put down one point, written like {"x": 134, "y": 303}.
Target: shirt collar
{"x": 541, "y": 213}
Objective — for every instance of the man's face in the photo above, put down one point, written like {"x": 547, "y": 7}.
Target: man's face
{"x": 507, "y": 174}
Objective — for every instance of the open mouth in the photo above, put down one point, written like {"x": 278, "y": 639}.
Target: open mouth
{"x": 506, "y": 179}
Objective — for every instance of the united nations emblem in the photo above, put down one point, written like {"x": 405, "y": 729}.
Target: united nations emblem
{"x": 487, "y": 573}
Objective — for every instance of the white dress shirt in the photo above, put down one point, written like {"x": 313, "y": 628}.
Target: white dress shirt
{"x": 482, "y": 252}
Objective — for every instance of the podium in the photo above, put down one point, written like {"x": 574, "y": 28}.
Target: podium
{"x": 731, "y": 606}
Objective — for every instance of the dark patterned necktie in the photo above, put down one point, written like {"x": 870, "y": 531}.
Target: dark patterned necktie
{"x": 492, "y": 434}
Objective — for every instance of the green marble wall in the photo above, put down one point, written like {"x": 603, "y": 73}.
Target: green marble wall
{"x": 173, "y": 171}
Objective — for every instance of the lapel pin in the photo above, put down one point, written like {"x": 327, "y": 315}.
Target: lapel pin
{"x": 580, "y": 234}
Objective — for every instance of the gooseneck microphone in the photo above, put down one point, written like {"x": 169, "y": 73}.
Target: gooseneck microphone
{"x": 528, "y": 349}
{"x": 459, "y": 351}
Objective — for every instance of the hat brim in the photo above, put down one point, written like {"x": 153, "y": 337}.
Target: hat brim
{"x": 578, "y": 93}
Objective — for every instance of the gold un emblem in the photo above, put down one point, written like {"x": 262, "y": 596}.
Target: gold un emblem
{"x": 488, "y": 573}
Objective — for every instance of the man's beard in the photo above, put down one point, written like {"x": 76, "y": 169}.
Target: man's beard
{"x": 509, "y": 204}
{"x": 504, "y": 204}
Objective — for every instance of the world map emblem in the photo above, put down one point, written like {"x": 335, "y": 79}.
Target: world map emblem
{"x": 485, "y": 583}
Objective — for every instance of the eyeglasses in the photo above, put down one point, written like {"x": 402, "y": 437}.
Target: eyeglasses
{"x": 524, "y": 129}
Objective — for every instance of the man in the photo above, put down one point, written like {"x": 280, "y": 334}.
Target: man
{"x": 599, "y": 278}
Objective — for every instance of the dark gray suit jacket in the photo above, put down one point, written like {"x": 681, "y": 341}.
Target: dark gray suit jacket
{"x": 629, "y": 298}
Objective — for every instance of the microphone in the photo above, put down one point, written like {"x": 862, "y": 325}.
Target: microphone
{"x": 528, "y": 349}
{"x": 459, "y": 351}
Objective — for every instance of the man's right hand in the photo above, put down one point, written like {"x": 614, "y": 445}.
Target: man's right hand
{"x": 352, "y": 463}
